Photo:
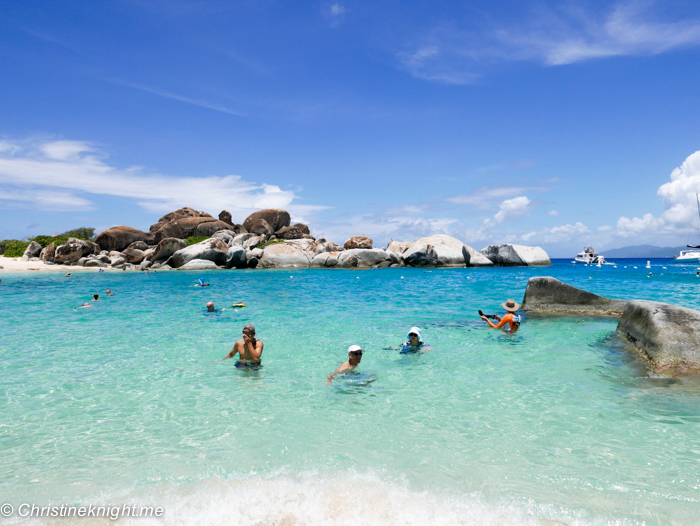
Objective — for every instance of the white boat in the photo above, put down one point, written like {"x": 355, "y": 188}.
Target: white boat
{"x": 590, "y": 257}
{"x": 694, "y": 252}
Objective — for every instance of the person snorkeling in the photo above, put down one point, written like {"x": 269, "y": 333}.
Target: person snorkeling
{"x": 513, "y": 320}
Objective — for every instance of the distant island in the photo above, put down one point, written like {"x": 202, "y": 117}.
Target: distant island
{"x": 642, "y": 251}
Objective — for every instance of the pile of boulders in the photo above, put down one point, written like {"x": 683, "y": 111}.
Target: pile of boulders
{"x": 266, "y": 239}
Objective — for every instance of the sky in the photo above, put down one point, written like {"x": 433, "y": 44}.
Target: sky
{"x": 547, "y": 123}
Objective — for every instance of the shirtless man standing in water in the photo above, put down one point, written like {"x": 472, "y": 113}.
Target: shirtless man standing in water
{"x": 249, "y": 349}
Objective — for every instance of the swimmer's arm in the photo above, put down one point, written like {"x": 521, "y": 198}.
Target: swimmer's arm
{"x": 233, "y": 353}
{"x": 503, "y": 321}
{"x": 337, "y": 371}
{"x": 426, "y": 348}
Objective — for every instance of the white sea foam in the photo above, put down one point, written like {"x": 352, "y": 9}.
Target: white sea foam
{"x": 320, "y": 499}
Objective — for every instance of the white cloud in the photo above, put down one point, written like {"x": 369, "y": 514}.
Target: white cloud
{"x": 485, "y": 196}
{"x": 512, "y": 208}
{"x": 334, "y": 13}
{"x": 60, "y": 175}
{"x": 604, "y": 228}
{"x": 678, "y": 195}
{"x": 558, "y": 233}
{"x": 554, "y": 37}
{"x": 553, "y": 213}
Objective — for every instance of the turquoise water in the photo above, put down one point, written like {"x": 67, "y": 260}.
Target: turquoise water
{"x": 561, "y": 423}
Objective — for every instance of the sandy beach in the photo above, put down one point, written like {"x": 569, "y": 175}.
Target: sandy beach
{"x": 8, "y": 265}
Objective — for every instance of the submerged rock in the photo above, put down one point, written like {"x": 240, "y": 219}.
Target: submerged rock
{"x": 508, "y": 255}
{"x": 547, "y": 294}
{"x": 667, "y": 334}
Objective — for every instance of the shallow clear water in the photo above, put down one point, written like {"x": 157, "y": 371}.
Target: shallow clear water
{"x": 561, "y": 423}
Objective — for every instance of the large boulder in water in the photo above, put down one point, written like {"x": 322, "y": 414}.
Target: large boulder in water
{"x": 212, "y": 249}
{"x": 420, "y": 255}
{"x": 549, "y": 295}
{"x": 190, "y": 227}
{"x": 472, "y": 258}
{"x": 368, "y": 257}
{"x": 199, "y": 264}
{"x": 236, "y": 257}
{"x": 174, "y": 216}
{"x": 667, "y": 334}
{"x": 508, "y": 255}
{"x": 358, "y": 242}
{"x": 284, "y": 255}
{"x": 74, "y": 249}
{"x": 120, "y": 237}
{"x": 274, "y": 217}
{"x": 166, "y": 248}
{"x": 449, "y": 250}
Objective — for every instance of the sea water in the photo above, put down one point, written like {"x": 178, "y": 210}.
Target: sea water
{"x": 559, "y": 423}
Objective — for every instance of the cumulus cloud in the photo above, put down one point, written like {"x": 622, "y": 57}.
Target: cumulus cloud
{"x": 61, "y": 176}
{"x": 456, "y": 52}
{"x": 553, "y": 213}
{"x": 512, "y": 208}
{"x": 485, "y": 196}
{"x": 681, "y": 209}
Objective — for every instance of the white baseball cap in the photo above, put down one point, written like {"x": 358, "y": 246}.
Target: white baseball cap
{"x": 354, "y": 348}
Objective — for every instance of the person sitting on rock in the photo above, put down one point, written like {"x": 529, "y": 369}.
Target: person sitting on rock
{"x": 354, "y": 359}
{"x": 415, "y": 342}
{"x": 511, "y": 318}
{"x": 249, "y": 349}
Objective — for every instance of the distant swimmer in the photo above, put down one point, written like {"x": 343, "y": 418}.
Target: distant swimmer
{"x": 512, "y": 319}
{"x": 68, "y": 275}
{"x": 95, "y": 297}
{"x": 354, "y": 359}
{"x": 210, "y": 307}
{"x": 84, "y": 306}
{"x": 415, "y": 342}
{"x": 249, "y": 349}
{"x": 109, "y": 292}
{"x": 202, "y": 283}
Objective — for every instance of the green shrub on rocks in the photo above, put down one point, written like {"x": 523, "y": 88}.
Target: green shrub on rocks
{"x": 13, "y": 248}
{"x": 195, "y": 239}
{"x": 268, "y": 243}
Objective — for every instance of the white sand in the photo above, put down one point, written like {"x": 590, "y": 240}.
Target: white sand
{"x": 17, "y": 265}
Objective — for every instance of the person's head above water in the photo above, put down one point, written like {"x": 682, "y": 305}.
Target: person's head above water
{"x": 414, "y": 336}
{"x": 249, "y": 329}
{"x": 95, "y": 297}
{"x": 355, "y": 354}
{"x": 210, "y": 306}
{"x": 510, "y": 305}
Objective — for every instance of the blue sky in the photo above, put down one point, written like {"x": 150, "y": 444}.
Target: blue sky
{"x": 556, "y": 124}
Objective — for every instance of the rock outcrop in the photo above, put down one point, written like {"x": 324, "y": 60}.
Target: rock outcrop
{"x": 366, "y": 258}
{"x": 166, "y": 248}
{"x": 358, "y": 242}
{"x": 120, "y": 237}
{"x": 667, "y": 334}
{"x": 508, "y": 255}
{"x": 174, "y": 216}
{"x": 274, "y": 217}
{"x": 33, "y": 250}
{"x": 225, "y": 216}
{"x": 549, "y": 295}
{"x": 212, "y": 249}
{"x": 133, "y": 255}
{"x": 399, "y": 247}
{"x": 138, "y": 245}
{"x": 190, "y": 227}
{"x": 199, "y": 264}
{"x": 449, "y": 250}
{"x": 47, "y": 254}
{"x": 472, "y": 258}
{"x": 74, "y": 249}
{"x": 420, "y": 256}
{"x": 261, "y": 228}
{"x": 284, "y": 255}
{"x": 290, "y": 232}
{"x": 236, "y": 257}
